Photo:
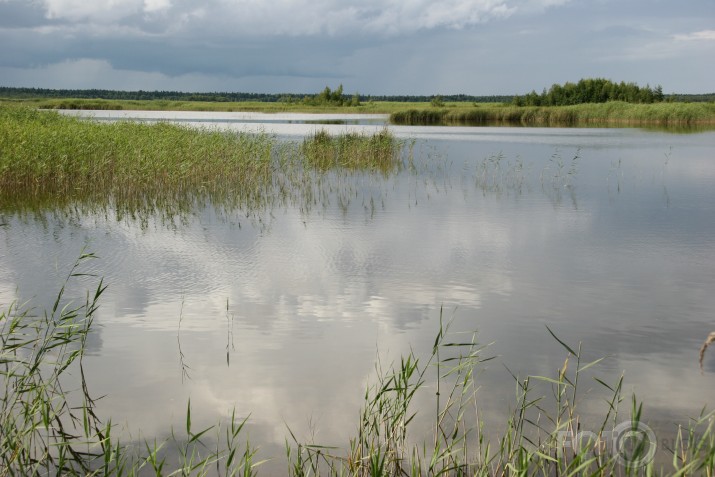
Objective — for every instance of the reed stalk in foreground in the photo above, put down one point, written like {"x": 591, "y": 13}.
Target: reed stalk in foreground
{"x": 50, "y": 428}
{"x": 543, "y": 436}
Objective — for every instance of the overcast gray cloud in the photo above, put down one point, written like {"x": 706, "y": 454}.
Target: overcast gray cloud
{"x": 371, "y": 46}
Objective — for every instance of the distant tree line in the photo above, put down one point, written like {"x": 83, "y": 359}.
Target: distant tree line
{"x": 585, "y": 91}
{"x": 327, "y": 95}
{"x": 691, "y": 98}
{"x": 31, "y": 93}
{"x": 590, "y": 90}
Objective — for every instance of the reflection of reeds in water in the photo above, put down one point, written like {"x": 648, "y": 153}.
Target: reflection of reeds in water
{"x": 708, "y": 341}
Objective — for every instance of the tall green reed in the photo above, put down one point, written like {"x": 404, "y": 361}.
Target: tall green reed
{"x": 613, "y": 113}
{"x": 352, "y": 151}
{"x": 544, "y": 435}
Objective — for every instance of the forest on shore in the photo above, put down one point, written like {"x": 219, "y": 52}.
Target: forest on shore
{"x": 590, "y": 90}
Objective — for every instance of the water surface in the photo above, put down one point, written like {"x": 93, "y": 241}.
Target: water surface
{"x": 607, "y": 236}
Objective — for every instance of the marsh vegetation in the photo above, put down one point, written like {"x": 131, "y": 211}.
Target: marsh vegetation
{"x": 614, "y": 113}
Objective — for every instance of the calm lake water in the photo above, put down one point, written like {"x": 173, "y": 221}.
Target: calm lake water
{"x": 607, "y": 236}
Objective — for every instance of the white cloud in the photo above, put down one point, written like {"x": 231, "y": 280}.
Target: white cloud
{"x": 704, "y": 35}
{"x": 303, "y": 17}
{"x": 104, "y": 11}
{"x": 401, "y": 17}
{"x": 156, "y": 5}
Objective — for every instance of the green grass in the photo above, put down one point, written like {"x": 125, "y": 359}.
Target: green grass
{"x": 47, "y": 429}
{"x": 614, "y": 113}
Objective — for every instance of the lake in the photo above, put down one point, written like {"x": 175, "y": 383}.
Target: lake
{"x": 606, "y": 236}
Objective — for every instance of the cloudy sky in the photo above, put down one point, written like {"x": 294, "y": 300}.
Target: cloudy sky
{"x": 475, "y": 47}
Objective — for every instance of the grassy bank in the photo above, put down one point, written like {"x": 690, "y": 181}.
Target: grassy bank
{"x": 49, "y": 158}
{"x": 50, "y": 428}
{"x": 614, "y": 113}
{"x": 367, "y": 107}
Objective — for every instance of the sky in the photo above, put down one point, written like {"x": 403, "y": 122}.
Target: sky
{"x": 378, "y": 47}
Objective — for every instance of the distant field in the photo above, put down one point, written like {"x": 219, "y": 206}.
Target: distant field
{"x": 369, "y": 107}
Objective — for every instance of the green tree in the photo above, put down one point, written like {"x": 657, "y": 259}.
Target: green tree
{"x": 355, "y": 101}
{"x": 337, "y": 96}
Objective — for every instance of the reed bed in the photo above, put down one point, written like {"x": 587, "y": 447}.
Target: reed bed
{"x": 44, "y": 153}
{"x": 615, "y": 113}
{"x": 50, "y": 428}
{"x": 48, "y": 160}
